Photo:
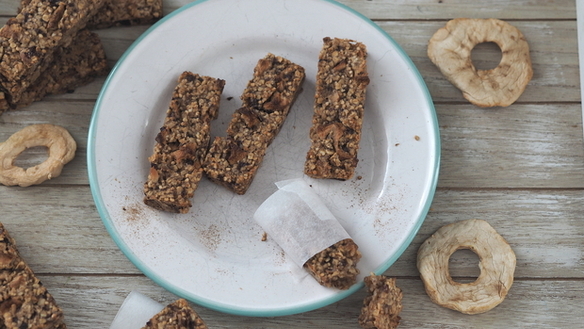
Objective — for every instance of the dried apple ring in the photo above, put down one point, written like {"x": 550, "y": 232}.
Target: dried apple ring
{"x": 450, "y": 50}
{"x": 496, "y": 262}
{"x": 57, "y": 139}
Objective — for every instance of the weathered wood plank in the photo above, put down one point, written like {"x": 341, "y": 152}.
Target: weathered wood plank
{"x": 529, "y": 146}
{"x": 548, "y": 147}
{"x": 59, "y": 230}
{"x": 553, "y": 50}
{"x": 555, "y": 67}
{"x": 514, "y": 147}
{"x": 421, "y": 9}
{"x": 541, "y": 303}
{"x": 544, "y": 228}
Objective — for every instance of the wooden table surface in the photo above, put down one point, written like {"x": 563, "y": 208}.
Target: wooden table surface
{"x": 521, "y": 168}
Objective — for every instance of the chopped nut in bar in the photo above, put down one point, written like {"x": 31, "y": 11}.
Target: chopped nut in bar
{"x": 233, "y": 161}
{"x": 381, "y": 308}
{"x": 336, "y": 266}
{"x": 24, "y": 300}
{"x": 181, "y": 144}
{"x": 177, "y": 315}
{"x": 341, "y": 82}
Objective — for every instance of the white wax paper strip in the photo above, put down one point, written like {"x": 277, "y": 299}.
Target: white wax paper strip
{"x": 297, "y": 219}
{"x": 135, "y": 311}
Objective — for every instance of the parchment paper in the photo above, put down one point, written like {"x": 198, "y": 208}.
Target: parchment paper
{"x": 297, "y": 219}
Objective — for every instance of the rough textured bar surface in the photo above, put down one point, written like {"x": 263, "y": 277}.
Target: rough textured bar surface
{"x": 233, "y": 161}
{"x": 381, "y": 308}
{"x": 336, "y": 266}
{"x": 73, "y": 66}
{"x": 28, "y": 41}
{"x": 177, "y": 315}
{"x": 126, "y": 13}
{"x": 24, "y": 301}
{"x": 122, "y": 13}
{"x": 181, "y": 144}
{"x": 341, "y": 82}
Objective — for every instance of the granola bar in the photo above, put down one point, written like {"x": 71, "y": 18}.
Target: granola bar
{"x": 73, "y": 66}
{"x": 341, "y": 82}
{"x": 181, "y": 144}
{"x": 336, "y": 266}
{"x": 122, "y": 13}
{"x": 24, "y": 301}
{"x": 233, "y": 161}
{"x": 29, "y": 40}
{"x": 177, "y": 315}
{"x": 126, "y": 13}
{"x": 381, "y": 308}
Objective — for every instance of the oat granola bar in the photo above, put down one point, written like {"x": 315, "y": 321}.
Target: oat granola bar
{"x": 122, "y": 13}
{"x": 177, "y": 315}
{"x": 381, "y": 308}
{"x": 336, "y": 266}
{"x": 233, "y": 161}
{"x": 73, "y": 66}
{"x": 24, "y": 301}
{"x": 28, "y": 41}
{"x": 126, "y": 13}
{"x": 181, "y": 144}
{"x": 341, "y": 82}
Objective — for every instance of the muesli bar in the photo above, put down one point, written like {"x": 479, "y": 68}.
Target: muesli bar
{"x": 73, "y": 66}
{"x": 336, "y": 266}
{"x": 24, "y": 300}
{"x": 122, "y": 13}
{"x": 181, "y": 144}
{"x": 177, "y": 315}
{"x": 126, "y": 13}
{"x": 29, "y": 40}
{"x": 341, "y": 82}
{"x": 233, "y": 161}
{"x": 381, "y": 308}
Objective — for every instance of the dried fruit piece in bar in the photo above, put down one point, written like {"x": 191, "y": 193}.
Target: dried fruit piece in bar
{"x": 233, "y": 161}
{"x": 341, "y": 82}
{"x": 336, "y": 266}
{"x": 28, "y": 42}
{"x": 24, "y": 300}
{"x": 177, "y": 315}
{"x": 181, "y": 144}
{"x": 73, "y": 66}
{"x": 381, "y": 308}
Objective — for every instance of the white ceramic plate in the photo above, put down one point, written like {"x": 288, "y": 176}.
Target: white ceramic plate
{"x": 214, "y": 255}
